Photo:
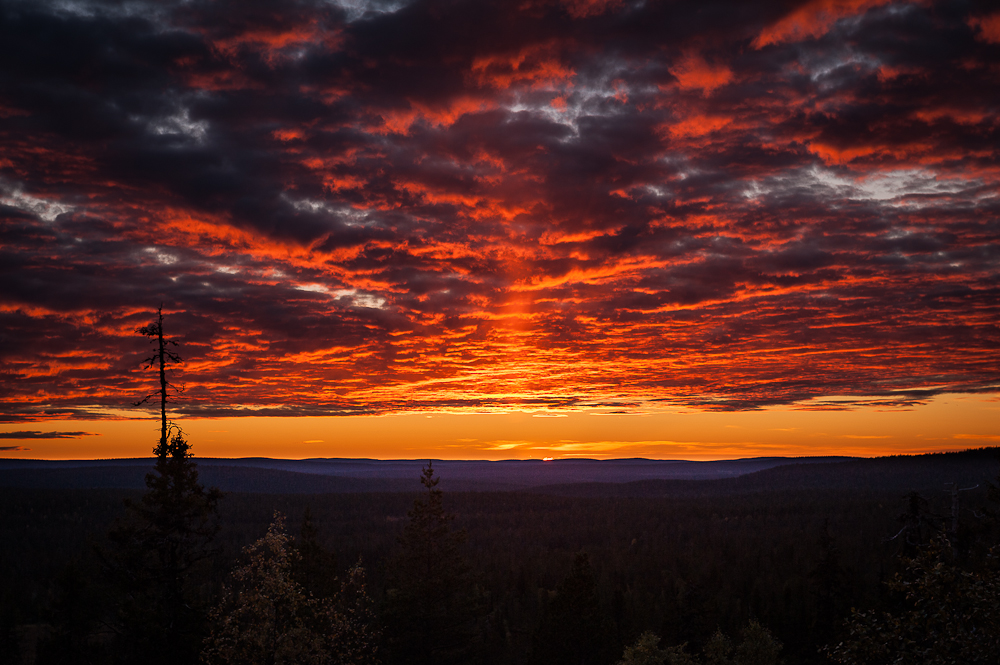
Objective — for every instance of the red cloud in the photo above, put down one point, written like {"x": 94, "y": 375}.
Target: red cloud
{"x": 499, "y": 209}
{"x": 812, "y": 19}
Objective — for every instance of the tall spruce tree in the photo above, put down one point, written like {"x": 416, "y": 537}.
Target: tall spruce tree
{"x": 432, "y": 607}
{"x": 155, "y": 549}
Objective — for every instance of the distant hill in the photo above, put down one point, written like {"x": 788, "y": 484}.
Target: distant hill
{"x": 577, "y": 477}
{"x": 496, "y": 475}
{"x": 902, "y": 473}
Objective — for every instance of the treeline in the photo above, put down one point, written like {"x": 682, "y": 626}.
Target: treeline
{"x": 661, "y": 578}
{"x": 563, "y": 478}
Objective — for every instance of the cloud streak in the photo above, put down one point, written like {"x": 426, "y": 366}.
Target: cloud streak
{"x": 25, "y": 435}
{"x": 381, "y": 207}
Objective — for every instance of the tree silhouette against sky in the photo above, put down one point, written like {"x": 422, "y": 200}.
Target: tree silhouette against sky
{"x": 156, "y": 548}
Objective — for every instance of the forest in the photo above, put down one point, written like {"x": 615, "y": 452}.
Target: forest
{"x": 852, "y": 561}
{"x": 863, "y": 561}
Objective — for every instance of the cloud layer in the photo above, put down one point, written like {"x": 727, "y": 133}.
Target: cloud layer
{"x": 25, "y": 435}
{"x": 375, "y": 206}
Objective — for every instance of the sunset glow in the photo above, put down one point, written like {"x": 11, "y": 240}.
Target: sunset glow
{"x": 502, "y": 230}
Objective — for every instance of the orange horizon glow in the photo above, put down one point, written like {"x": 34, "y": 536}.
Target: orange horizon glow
{"x": 945, "y": 423}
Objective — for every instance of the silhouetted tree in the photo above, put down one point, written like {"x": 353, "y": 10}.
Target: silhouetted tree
{"x": 152, "y": 556}
{"x": 432, "y": 606}
{"x": 155, "y": 548}
{"x": 919, "y": 524}
{"x": 159, "y": 359}
{"x": 688, "y": 612}
{"x": 574, "y": 630}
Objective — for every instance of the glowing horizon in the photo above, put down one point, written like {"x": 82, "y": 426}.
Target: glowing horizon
{"x": 945, "y": 423}
{"x": 368, "y": 213}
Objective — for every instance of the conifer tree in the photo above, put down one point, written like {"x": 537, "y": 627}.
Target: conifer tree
{"x": 156, "y": 547}
{"x": 432, "y": 608}
{"x": 919, "y": 524}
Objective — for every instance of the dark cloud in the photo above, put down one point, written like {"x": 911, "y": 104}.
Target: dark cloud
{"x": 24, "y": 435}
{"x": 371, "y": 208}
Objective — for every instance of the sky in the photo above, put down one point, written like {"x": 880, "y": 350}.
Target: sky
{"x": 475, "y": 229}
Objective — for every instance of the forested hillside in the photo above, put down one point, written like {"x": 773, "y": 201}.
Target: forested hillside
{"x": 311, "y": 476}
{"x": 792, "y": 548}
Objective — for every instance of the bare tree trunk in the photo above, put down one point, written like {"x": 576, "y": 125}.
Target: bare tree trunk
{"x": 163, "y": 381}
{"x": 160, "y": 357}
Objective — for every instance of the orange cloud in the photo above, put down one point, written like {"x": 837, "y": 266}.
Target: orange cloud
{"x": 693, "y": 72}
{"x": 459, "y": 222}
{"x": 813, "y": 19}
{"x": 537, "y": 66}
{"x": 399, "y": 121}
{"x": 697, "y": 125}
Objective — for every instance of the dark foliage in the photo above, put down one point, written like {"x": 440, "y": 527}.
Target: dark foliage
{"x": 152, "y": 557}
{"x": 830, "y": 589}
{"x": 75, "y": 610}
{"x": 945, "y": 615}
{"x": 315, "y": 567}
{"x": 680, "y": 567}
{"x": 432, "y": 606}
{"x": 154, "y": 550}
{"x": 266, "y": 617}
{"x": 574, "y": 629}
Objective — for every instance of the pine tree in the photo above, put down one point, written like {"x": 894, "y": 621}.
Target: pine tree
{"x": 156, "y": 547}
{"x": 432, "y": 608}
